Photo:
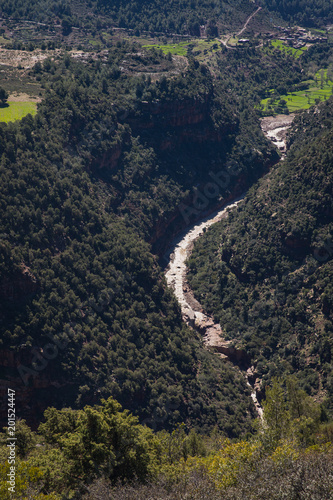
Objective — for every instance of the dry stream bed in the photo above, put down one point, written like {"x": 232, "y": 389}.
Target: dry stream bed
{"x": 275, "y": 129}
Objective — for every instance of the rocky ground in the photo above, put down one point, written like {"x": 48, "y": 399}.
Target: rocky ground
{"x": 275, "y": 128}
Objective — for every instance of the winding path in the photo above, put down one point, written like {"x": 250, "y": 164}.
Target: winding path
{"x": 248, "y": 20}
{"x": 177, "y": 256}
{"x": 225, "y": 42}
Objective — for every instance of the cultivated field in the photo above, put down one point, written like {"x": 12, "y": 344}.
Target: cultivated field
{"x": 19, "y": 105}
{"x": 319, "y": 89}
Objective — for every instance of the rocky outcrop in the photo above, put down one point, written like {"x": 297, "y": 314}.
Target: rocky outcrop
{"x": 19, "y": 286}
{"x": 168, "y": 124}
{"x": 110, "y": 158}
{"x": 31, "y": 383}
{"x": 213, "y": 336}
{"x": 174, "y": 113}
{"x": 236, "y": 355}
{"x": 165, "y": 125}
{"x": 276, "y": 127}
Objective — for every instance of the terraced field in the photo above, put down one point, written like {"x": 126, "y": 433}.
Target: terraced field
{"x": 319, "y": 89}
{"x": 181, "y": 48}
{"x": 278, "y": 44}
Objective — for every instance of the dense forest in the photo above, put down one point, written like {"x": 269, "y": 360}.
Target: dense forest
{"x": 303, "y": 12}
{"x": 178, "y": 16}
{"x": 116, "y": 397}
{"x": 89, "y": 186}
{"x": 86, "y": 185}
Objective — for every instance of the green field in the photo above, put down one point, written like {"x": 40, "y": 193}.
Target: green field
{"x": 278, "y": 44}
{"x": 17, "y": 110}
{"x": 318, "y": 31}
{"x": 319, "y": 89}
{"x": 181, "y": 48}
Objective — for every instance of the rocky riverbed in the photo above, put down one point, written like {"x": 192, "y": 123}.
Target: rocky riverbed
{"x": 192, "y": 311}
{"x": 275, "y": 128}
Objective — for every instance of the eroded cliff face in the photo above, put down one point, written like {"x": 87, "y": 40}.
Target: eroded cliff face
{"x": 35, "y": 381}
{"x": 172, "y": 113}
{"x": 18, "y": 286}
{"x": 24, "y": 369}
{"x": 167, "y": 125}
{"x": 170, "y": 124}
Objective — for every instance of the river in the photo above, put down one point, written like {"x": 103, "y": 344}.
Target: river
{"x": 192, "y": 312}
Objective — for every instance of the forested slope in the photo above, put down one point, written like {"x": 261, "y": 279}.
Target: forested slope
{"x": 177, "y": 16}
{"x": 104, "y": 171}
{"x": 101, "y": 452}
{"x": 85, "y": 311}
{"x": 266, "y": 272}
{"x": 303, "y": 12}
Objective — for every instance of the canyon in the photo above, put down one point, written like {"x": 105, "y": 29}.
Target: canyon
{"x": 275, "y": 128}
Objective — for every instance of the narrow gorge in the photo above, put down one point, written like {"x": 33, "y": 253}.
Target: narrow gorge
{"x": 193, "y": 314}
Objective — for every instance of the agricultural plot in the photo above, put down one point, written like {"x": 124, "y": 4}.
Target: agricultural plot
{"x": 181, "y": 48}
{"x": 319, "y": 89}
{"x": 17, "y": 110}
{"x": 233, "y": 41}
{"x": 278, "y": 44}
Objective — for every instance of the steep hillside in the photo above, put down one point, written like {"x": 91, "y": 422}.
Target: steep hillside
{"x": 303, "y": 12}
{"x": 128, "y": 147}
{"x": 106, "y": 166}
{"x": 178, "y": 16}
{"x": 266, "y": 272}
